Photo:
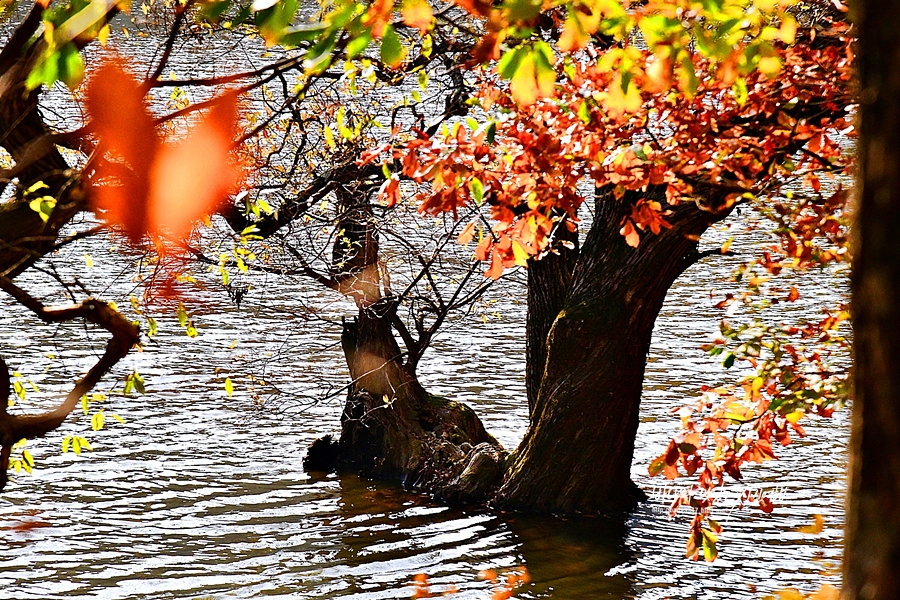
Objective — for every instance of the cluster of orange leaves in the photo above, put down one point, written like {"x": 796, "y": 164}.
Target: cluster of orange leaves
{"x": 504, "y": 584}
{"x": 528, "y": 163}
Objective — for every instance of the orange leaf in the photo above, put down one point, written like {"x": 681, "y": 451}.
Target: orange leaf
{"x": 488, "y": 575}
{"x": 192, "y": 179}
{"x": 496, "y": 269}
{"x": 632, "y": 238}
{"x": 378, "y": 16}
{"x": 817, "y": 526}
{"x": 120, "y": 119}
{"x": 390, "y": 191}
{"x": 140, "y": 183}
{"x": 417, "y": 14}
{"x": 467, "y": 234}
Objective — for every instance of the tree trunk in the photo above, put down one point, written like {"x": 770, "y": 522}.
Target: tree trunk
{"x": 391, "y": 427}
{"x": 24, "y": 236}
{"x": 872, "y": 544}
{"x": 577, "y": 453}
{"x": 548, "y": 283}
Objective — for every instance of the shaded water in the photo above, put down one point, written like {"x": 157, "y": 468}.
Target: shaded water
{"x": 199, "y": 495}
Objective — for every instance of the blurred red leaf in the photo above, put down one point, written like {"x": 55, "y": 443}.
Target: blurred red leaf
{"x": 143, "y": 184}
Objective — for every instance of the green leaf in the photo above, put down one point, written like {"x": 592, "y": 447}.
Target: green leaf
{"x": 710, "y": 552}
{"x": 729, "y": 360}
{"x": 522, "y": 10}
{"x": 584, "y": 112}
{"x": 510, "y": 61}
{"x": 138, "y": 382}
{"x": 57, "y": 64}
{"x": 392, "y": 50}
{"x": 656, "y": 467}
{"x": 319, "y": 56}
{"x": 477, "y": 190}
{"x": 357, "y": 45}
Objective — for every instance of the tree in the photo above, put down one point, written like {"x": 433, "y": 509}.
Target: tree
{"x": 723, "y": 108}
{"x": 872, "y": 538}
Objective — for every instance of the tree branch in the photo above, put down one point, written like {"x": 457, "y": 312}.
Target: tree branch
{"x": 124, "y": 336}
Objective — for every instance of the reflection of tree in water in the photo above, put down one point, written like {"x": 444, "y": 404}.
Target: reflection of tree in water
{"x": 390, "y": 536}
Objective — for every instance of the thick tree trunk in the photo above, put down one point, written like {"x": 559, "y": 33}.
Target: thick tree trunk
{"x": 24, "y": 236}
{"x": 872, "y": 545}
{"x": 548, "y": 284}
{"x": 577, "y": 453}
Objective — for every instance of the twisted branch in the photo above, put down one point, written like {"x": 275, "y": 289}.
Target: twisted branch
{"x": 124, "y": 336}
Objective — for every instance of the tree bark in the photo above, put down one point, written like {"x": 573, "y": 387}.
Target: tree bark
{"x": 549, "y": 279}
{"x": 872, "y": 539}
{"x": 391, "y": 427}
{"x": 577, "y": 453}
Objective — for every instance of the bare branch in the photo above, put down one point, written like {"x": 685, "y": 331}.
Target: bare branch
{"x": 124, "y": 336}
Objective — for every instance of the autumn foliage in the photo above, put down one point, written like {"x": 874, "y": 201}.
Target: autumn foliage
{"x": 717, "y": 129}
{"x": 144, "y": 184}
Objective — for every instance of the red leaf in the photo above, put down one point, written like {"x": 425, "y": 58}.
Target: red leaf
{"x": 144, "y": 185}
{"x": 120, "y": 119}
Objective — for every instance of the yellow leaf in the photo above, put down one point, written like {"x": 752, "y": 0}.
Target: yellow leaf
{"x": 794, "y": 416}
{"x": 98, "y": 420}
{"x": 788, "y": 30}
{"x": 770, "y": 66}
{"x": 229, "y": 387}
{"x": 757, "y": 385}
{"x": 521, "y": 255}
{"x": 523, "y": 85}
{"x": 826, "y": 592}
{"x": 817, "y": 526}
{"x": 103, "y": 34}
{"x": 619, "y": 101}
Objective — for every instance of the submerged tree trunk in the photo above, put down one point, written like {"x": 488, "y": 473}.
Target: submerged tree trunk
{"x": 590, "y": 320}
{"x": 391, "y": 427}
{"x": 872, "y": 546}
{"x": 577, "y": 453}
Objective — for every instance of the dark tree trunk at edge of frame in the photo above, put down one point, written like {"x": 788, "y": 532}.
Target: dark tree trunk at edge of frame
{"x": 872, "y": 543}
